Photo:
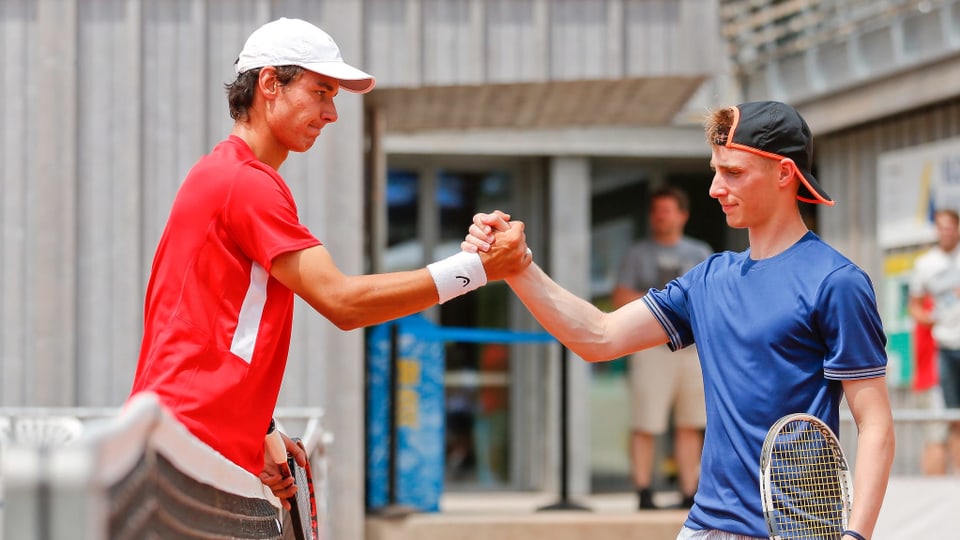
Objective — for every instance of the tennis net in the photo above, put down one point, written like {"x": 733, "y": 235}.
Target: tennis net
{"x": 136, "y": 475}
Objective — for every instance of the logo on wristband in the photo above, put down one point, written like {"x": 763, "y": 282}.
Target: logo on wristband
{"x": 466, "y": 280}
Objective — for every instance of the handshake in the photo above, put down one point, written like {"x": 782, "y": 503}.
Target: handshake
{"x": 494, "y": 249}
{"x": 500, "y": 243}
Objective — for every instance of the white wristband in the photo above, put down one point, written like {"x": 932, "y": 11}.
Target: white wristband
{"x": 457, "y": 274}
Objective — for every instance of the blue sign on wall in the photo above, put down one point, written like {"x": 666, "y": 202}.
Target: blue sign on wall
{"x": 420, "y": 417}
{"x": 420, "y": 407}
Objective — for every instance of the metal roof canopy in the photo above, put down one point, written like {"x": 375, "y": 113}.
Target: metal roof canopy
{"x": 646, "y": 101}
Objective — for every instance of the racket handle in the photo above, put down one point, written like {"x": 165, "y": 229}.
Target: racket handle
{"x": 277, "y": 452}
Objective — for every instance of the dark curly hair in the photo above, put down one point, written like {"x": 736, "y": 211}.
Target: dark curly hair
{"x": 241, "y": 91}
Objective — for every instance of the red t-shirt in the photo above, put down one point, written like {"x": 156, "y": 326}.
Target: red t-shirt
{"x": 216, "y": 324}
{"x": 926, "y": 373}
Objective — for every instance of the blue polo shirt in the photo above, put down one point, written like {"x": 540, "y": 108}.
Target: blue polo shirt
{"x": 775, "y": 336}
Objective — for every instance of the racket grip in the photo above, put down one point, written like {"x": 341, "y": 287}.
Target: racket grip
{"x": 277, "y": 452}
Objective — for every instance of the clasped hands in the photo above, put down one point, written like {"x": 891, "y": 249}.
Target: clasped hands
{"x": 501, "y": 243}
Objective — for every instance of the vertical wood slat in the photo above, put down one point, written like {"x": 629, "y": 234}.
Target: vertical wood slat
{"x": 478, "y": 34}
{"x": 414, "y": 37}
{"x": 15, "y": 19}
{"x": 132, "y": 274}
{"x": 95, "y": 181}
{"x": 51, "y": 206}
{"x": 615, "y": 53}
{"x": 110, "y": 275}
{"x": 543, "y": 39}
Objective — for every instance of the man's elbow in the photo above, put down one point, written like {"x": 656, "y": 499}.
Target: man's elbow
{"x": 346, "y": 324}
{"x": 591, "y": 353}
{"x": 883, "y": 437}
{"x": 339, "y": 312}
{"x": 890, "y": 442}
{"x": 347, "y": 318}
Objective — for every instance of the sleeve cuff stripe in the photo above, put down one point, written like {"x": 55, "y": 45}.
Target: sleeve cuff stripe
{"x": 664, "y": 321}
{"x": 855, "y": 374}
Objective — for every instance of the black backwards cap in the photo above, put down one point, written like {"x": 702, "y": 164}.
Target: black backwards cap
{"x": 776, "y": 130}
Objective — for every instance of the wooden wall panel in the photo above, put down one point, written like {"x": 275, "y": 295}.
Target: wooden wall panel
{"x": 107, "y": 105}
{"x": 412, "y": 43}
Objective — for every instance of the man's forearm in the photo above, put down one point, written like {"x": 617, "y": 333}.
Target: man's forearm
{"x": 575, "y": 322}
{"x": 874, "y": 459}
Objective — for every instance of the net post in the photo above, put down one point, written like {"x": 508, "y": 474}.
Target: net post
{"x": 564, "y": 502}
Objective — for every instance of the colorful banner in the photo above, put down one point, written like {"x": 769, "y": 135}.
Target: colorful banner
{"x": 911, "y": 183}
{"x": 897, "y": 322}
{"x": 420, "y": 407}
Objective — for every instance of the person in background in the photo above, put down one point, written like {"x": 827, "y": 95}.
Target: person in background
{"x": 663, "y": 382}
{"x": 927, "y": 394}
{"x": 936, "y": 274}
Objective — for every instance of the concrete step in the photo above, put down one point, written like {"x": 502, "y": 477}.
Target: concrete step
{"x": 914, "y": 507}
{"x": 515, "y": 516}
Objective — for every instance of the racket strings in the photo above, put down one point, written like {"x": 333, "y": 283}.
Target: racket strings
{"x": 805, "y": 476}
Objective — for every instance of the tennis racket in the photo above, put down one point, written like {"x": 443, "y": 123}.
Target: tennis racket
{"x": 304, "y": 519}
{"x": 805, "y": 483}
{"x": 303, "y": 504}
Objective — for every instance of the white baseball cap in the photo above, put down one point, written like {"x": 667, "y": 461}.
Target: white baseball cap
{"x": 295, "y": 42}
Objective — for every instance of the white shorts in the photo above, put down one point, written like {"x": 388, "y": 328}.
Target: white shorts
{"x": 931, "y": 399}
{"x": 661, "y": 381}
{"x": 687, "y": 533}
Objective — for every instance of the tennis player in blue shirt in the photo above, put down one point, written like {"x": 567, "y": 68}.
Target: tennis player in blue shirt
{"x": 789, "y": 325}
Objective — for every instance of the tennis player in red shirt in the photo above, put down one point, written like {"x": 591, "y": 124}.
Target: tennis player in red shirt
{"x": 219, "y": 304}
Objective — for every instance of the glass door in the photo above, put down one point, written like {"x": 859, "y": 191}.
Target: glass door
{"x": 435, "y": 206}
